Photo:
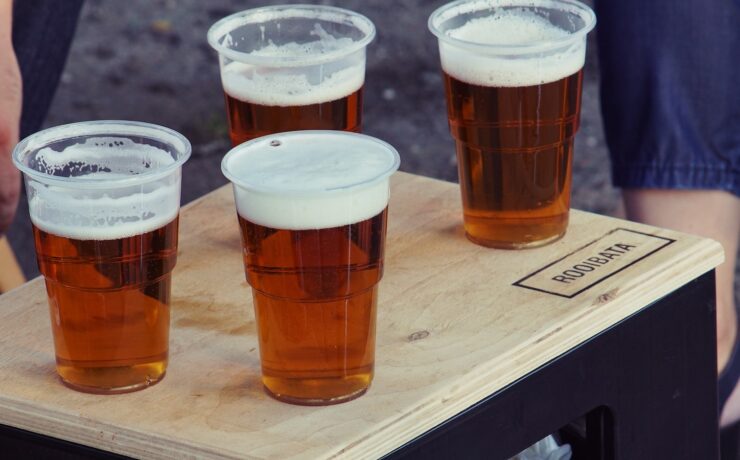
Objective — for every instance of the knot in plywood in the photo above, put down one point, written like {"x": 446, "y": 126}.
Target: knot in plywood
{"x": 418, "y": 335}
{"x": 606, "y": 297}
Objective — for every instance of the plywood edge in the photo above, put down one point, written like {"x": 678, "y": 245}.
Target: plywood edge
{"x": 712, "y": 250}
{"x": 100, "y": 435}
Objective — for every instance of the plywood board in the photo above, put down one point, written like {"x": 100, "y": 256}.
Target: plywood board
{"x": 456, "y": 323}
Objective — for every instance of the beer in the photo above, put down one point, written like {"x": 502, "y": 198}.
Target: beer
{"x": 109, "y": 305}
{"x": 312, "y": 208}
{"x": 267, "y": 106}
{"x": 317, "y": 334}
{"x": 513, "y": 87}
{"x": 292, "y": 67}
{"x": 515, "y": 152}
{"x": 104, "y": 200}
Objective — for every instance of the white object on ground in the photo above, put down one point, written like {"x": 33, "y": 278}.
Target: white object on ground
{"x": 545, "y": 449}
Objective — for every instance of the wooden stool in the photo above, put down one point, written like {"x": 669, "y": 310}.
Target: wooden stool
{"x": 11, "y": 275}
{"x": 480, "y": 352}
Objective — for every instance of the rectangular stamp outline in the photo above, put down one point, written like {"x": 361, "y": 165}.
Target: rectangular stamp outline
{"x": 518, "y": 283}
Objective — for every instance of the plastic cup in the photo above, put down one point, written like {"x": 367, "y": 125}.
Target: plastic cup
{"x": 104, "y": 199}
{"x": 513, "y": 72}
{"x": 312, "y": 207}
{"x": 292, "y": 67}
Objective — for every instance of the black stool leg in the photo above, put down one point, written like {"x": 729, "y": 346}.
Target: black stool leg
{"x": 728, "y": 441}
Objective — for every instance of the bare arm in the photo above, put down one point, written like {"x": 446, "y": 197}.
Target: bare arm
{"x": 10, "y": 115}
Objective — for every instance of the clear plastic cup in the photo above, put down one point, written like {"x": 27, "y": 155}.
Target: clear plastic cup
{"x": 313, "y": 210}
{"x": 292, "y": 67}
{"x": 513, "y": 72}
{"x": 104, "y": 199}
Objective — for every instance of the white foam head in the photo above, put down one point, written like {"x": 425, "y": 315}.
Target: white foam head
{"x": 311, "y": 179}
{"x": 291, "y": 86}
{"x": 509, "y": 47}
{"x": 89, "y": 187}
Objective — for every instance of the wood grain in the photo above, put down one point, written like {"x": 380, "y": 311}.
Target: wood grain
{"x": 452, "y": 329}
{"x": 11, "y": 275}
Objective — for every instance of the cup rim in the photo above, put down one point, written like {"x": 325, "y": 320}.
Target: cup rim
{"x": 43, "y": 138}
{"x": 571, "y": 6}
{"x": 222, "y": 27}
{"x": 395, "y": 164}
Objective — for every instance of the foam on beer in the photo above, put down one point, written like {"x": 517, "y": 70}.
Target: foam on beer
{"x": 311, "y": 180}
{"x": 506, "y": 28}
{"x": 301, "y": 83}
{"x": 103, "y": 213}
{"x": 289, "y": 87}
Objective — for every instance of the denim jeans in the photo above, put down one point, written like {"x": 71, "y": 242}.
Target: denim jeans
{"x": 670, "y": 92}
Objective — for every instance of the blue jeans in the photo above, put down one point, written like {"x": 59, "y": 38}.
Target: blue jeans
{"x": 670, "y": 92}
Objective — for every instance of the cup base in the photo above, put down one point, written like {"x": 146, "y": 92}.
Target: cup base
{"x": 315, "y": 401}
{"x": 111, "y": 380}
{"x": 513, "y": 244}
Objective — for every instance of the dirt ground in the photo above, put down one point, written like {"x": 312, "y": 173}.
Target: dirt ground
{"x": 149, "y": 60}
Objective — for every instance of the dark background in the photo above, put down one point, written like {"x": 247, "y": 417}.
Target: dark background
{"x": 149, "y": 60}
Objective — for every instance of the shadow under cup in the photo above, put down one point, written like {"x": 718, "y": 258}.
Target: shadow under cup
{"x": 104, "y": 200}
{"x": 312, "y": 207}
{"x": 513, "y": 71}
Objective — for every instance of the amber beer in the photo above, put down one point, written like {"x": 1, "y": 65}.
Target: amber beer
{"x": 248, "y": 120}
{"x": 515, "y": 152}
{"x": 292, "y": 67}
{"x": 109, "y": 305}
{"x": 513, "y": 80}
{"x": 104, "y": 199}
{"x": 317, "y": 336}
{"x": 312, "y": 208}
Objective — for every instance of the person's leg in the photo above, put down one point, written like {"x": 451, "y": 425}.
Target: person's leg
{"x": 731, "y": 410}
{"x": 716, "y": 215}
{"x": 708, "y": 213}
{"x": 672, "y": 124}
